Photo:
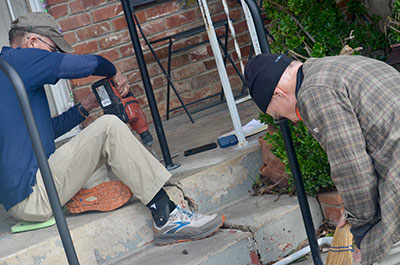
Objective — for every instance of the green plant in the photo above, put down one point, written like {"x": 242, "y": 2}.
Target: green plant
{"x": 309, "y": 28}
{"x": 392, "y": 26}
{"x": 312, "y": 159}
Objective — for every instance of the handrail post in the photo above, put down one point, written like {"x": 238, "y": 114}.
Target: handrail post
{"x": 23, "y": 100}
{"x": 287, "y": 138}
{"x": 147, "y": 86}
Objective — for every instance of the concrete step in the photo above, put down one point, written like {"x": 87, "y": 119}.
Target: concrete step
{"x": 96, "y": 236}
{"x": 257, "y": 229}
{"x": 215, "y": 178}
{"x": 227, "y": 246}
{"x": 275, "y": 222}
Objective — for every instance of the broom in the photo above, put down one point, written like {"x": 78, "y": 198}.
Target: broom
{"x": 341, "y": 250}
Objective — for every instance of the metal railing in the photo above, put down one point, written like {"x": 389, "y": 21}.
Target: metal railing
{"x": 287, "y": 138}
{"x": 23, "y": 100}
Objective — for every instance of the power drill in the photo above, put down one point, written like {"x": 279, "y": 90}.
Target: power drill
{"x": 126, "y": 108}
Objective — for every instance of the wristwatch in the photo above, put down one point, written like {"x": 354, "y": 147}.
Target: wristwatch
{"x": 82, "y": 110}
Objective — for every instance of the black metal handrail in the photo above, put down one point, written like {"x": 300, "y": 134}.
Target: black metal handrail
{"x": 23, "y": 100}
{"x": 287, "y": 138}
{"x": 147, "y": 86}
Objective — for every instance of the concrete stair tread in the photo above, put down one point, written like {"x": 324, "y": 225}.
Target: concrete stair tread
{"x": 125, "y": 235}
{"x": 211, "y": 250}
{"x": 96, "y": 235}
{"x": 275, "y": 222}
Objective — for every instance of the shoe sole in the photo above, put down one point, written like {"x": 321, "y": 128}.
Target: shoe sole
{"x": 193, "y": 239}
{"x": 104, "y": 197}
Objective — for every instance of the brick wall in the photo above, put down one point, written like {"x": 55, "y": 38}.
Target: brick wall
{"x": 98, "y": 26}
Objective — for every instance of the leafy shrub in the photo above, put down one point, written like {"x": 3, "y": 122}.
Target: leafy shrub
{"x": 313, "y": 161}
{"x": 309, "y": 28}
{"x": 393, "y": 24}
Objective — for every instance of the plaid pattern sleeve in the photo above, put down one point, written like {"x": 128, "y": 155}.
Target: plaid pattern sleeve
{"x": 350, "y": 105}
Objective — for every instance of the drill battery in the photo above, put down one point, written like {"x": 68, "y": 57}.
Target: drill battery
{"x": 126, "y": 108}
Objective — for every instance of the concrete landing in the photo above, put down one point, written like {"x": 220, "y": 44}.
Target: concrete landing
{"x": 258, "y": 229}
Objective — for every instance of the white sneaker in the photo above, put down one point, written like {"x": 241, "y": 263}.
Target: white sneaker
{"x": 184, "y": 225}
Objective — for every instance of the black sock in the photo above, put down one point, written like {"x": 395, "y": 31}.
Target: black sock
{"x": 161, "y": 206}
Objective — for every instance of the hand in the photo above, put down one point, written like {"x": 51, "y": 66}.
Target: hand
{"x": 121, "y": 82}
{"x": 357, "y": 252}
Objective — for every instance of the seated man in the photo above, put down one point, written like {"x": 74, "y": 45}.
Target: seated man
{"x": 35, "y": 39}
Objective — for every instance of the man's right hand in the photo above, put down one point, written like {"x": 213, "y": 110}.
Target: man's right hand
{"x": 357, "y": 252}
{"x": 121, "y": 82}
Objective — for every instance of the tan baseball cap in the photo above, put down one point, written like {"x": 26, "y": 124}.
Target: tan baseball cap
{"x": 43, "y": 24}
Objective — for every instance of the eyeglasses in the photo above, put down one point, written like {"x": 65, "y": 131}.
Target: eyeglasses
{"x": 53, "y": 49}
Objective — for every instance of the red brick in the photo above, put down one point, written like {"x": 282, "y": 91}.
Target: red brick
{"x": 216, "y": 18}
{"x": 200, "y": 81}
{"x": 162, "y": 10}
{"x": 153, "y": 69}
{"x": 332, "y": 198}
{"x": 75, "y": 22}
{"x": 81, "y": 5}
{"x": 161, "y": 54}
{"x": 240, "y": 27}
{"x": 70, "y": 37}
{"x": 179, "y": 60}
{"x": 141, "y": 16}
{"x": 232, "y": 4}
{"x": 93, "y": 31}
{"x": 162, "y": 35}
{"x": 182, "y": 86}
{"x": 134, "y": 76}
{"x": 107, "y": 12}
{"x": 235, "y": 14}
{"x": 126, "y": 64}
{"x": 126, "y": 50}
{"x": 333, "y": 214}
{"x": 110, "y": 55}
{"x": 85, "y": 48}
{"x": 187, "y": 42}
{"x": 179, "y": 19}
{"x": 215, "y": 7}
{"x": 210, "y": 64}
{"x": 138, "y": 90}
{"x": 119, "y": 23}
{"x": 110, "y": 41}
{"x": 153, "y": 27}
{"x": 81, "y": 93}
{"x": 59, "y": 11}
{"x": 199, "y": 53}
{"x": 188, "y": 71}
{"x": 192, "y": 25}
{"x": 159, "y": 81}
{"x": 54, "y": 2}
{"x": 85, "y": 81}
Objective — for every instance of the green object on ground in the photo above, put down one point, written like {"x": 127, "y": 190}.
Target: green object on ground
{"x": 27, "y": 226}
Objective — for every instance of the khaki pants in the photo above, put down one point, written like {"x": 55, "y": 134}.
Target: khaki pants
{"x": 107, "y": 140}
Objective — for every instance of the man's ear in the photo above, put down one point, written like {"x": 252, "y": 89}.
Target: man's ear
{"x": 30, "y": 42}
{"x": 279, "y": 92}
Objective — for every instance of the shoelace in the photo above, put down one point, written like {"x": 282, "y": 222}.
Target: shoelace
{"x": 187, "y": 215}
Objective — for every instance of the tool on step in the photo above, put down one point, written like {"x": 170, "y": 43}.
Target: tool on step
{"x": 226, "y": 141}
{"x": 126, "y": 108}
{"x": 200, "y": 149}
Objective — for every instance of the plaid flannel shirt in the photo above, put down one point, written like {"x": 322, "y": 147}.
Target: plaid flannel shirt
{"x": 351, "y": 105}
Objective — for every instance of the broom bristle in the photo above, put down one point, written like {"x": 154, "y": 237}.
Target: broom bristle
{"x": 341, "y": 250}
